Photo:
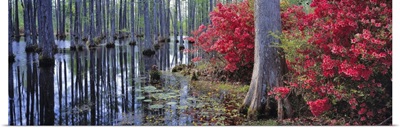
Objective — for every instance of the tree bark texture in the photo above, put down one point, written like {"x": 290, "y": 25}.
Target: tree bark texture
{"x": 268, "y": 70}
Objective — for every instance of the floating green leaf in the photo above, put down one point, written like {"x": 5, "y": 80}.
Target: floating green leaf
{"x": 140, "y": 98}
{"x": 147, "y": 100}
{"x": 171, "y": 103}
{"x": 183, "y": 107}
{"x": 156, "y": 106}
{"x": 138, "y": 90}
{"x": 150, "y": 88}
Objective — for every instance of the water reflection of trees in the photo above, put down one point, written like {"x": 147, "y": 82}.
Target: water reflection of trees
{"x": 93, "y": 87}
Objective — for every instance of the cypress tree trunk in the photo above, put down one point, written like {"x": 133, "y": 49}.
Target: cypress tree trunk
{"x": 155, "y": 17}
{"x": 33, "y": 23}
{"x": 148, "y": 57}
{"x": 211, "y": 8}
{"x": 58, "y": 19}
{"x": 98, "y": 19}
{"x": 85, "y": 22}
{"x": 16, "y": 23}
{"x": 268, "y": 66}
{"x": 168, "y": 19}
{"x": 91, "y": 31}
{"x": 113, "y": 20}
{"x": 72, "y": 47}
{"x": 63, "y": 35}
{"x": 27, "y": 25}
{"x": 175, "y": 22}
{"x": 78, "y": 29}
{"x": 46, "y": 36}
{"x": 10, "y": 39}
{"x": 181, "y": 47}
{"x": 124, "y": 18}
{"x": 133, "y": 37}
{"x": 120, "y": 24}
{"x": 104, "y": 17}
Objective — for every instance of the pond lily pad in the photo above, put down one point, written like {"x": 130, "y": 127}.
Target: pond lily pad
{"x": 191, "y": 98}
{"x": 200, "y": 105}
{"x": 171, "y": 103}
{"x": 150, "y": 88}
{"x": 140, "y": 98}
{"x": 172, "y": 96}
{"x": 138, "y": 90}
{"x": 156, "y": 106}
{"x": 147, "y": 100}
{"x": 171, "y": 93}
{"x": 183, "y": 107}
{"x": 149, "y": 91}
{"x": 204, "y": 113}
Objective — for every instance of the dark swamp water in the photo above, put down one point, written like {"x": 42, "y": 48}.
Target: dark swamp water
{"x": 97, "y": 87}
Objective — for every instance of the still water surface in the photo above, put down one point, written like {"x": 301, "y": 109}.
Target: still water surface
{"x": 94, "y": 87}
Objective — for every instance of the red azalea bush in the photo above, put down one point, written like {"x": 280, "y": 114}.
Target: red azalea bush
{"x": 345, "y": 53}
{"x": 279, "y": 92}
{"x": 231, "y": 35}
{"x": 319, "y": 106}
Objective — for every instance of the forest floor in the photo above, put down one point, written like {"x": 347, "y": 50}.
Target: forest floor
{"x": 231, "y": 95}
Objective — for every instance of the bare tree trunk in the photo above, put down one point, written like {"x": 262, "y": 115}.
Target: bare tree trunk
{"x": 120, "y": 24}
{"x": 78, "y": 27}
{"x": 10, "y": 39}
{"x": 133, "y": 37}
{"x": 181, "y": 47}
{"x": 72, "y": 47}
{"x": 175, "y": 22}
{"x": 268, "y": 69}
{"x": 104, "y": 17}
{"x": 27, "y": 25}
{"x": 155, "y": 17}
{"x": 98, "y": 19}
{"x": 85, "y": 22}
{"x": 168, "y": 19}
{"x": 124, "y": 21}
{"x": 91, "y": 31}
{"x": 58, "y": 19}
{"x": 147, "y": 58}
{"x": 33, "y": 23}
{"x": 16, "y": 23}
{"x": 63, "y": 35}
{"x": 211, "y": 9}
{"x": 46, "y": 34}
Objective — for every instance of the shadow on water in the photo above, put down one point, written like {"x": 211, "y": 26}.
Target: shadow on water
{"x": 96, "y": 87}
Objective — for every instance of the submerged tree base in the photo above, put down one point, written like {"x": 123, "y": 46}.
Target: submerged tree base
{"x": 149, "y": 52}
{"x": 155, "y": 75}
{"x": 110, "y": 45}
{"x": 38, "y": 50}
{"x": 92, "y": 46}
{"x": 46, "y": 62}
{"x": 181, "y": 47}
{"x": 72, "y": 48}
{"x": 31, "y": 48}
{"x": 157, "y": 46}
{"x": 61, "y": 36}
{"x": 132, "y": 43}
{"x": 80, "y": 48}
{"x": 11, "y": 58}
{"x": 97, "y": 40}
